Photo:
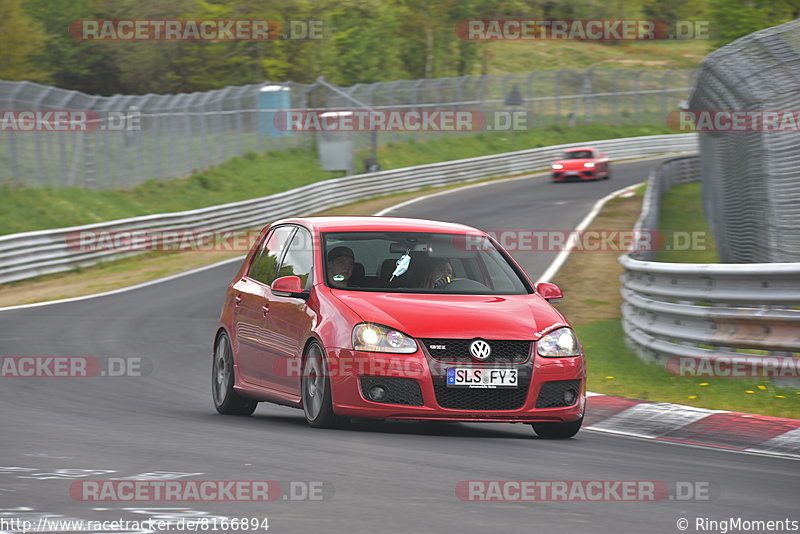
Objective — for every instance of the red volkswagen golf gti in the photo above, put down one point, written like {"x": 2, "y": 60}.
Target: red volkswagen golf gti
{"x": 389, "y": 318}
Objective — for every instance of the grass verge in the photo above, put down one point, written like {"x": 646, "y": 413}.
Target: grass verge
{"x": 520, "y": 56}
{"x": 592, "y": 304}
{"x": 684, "y": 227}
{"x": 254, "y": 175}
{"x": 614, "y": 369}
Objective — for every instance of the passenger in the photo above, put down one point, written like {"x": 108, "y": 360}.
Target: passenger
{"x": 439, "y": 275}
{"x": 340, "y": 266}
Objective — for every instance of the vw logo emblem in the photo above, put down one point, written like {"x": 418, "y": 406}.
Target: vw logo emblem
{"x": 480, "y": 349}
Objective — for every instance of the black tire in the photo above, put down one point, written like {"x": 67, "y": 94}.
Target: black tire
{"x": 226, "y": 400}
{"x": 315, "y": 390}
{"x": 557, "y": 430}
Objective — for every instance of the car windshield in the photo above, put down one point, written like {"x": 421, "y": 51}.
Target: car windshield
{"x": 417, "y": 262}
{"x": 578, "y": 154}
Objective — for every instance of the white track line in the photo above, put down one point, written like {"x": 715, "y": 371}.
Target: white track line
{"x": 559, "y": 260}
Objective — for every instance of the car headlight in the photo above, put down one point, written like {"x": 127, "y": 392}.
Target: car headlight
{"x": 370, "y": 337}
{"x": 558, "y": 343}
{"x": 589, "y": 164}
{"x": 557, "y": 166}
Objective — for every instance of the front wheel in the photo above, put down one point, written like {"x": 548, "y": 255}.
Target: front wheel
{"x": 557, "y": 430}
{"x": 315, "y": 387}
{"x": 226, "y": 400}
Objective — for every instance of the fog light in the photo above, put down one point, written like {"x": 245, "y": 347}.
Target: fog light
{"x": 377, "y": 393}
{"x": 569, "y": 397}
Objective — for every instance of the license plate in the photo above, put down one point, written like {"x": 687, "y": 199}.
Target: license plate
{"x": 478, "y": 377}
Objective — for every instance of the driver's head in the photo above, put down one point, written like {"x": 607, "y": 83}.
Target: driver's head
{"x": 340, "y": 263}
{"x": 440, "y": 273}
{"x": 441, "y": 269}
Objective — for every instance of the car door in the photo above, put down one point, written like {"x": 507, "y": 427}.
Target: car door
{"x": 290, "y": 318}
{"x": 251, "y": 308}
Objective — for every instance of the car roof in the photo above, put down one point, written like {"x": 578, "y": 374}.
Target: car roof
{"x": 580, "y": 148}
{"x": 346, "y": 223}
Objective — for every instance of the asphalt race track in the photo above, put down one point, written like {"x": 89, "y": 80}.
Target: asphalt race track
{"x": 376, "y": 477}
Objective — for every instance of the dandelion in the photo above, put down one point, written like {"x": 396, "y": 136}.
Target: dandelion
{"x": 780, "y": 396}
{"x": 692, "y": 397}
{"x": 749, "y": 391}
{"x": 610, "y": 377}
{"x": 704, "y": 384}
{"x": 762, "y": 388}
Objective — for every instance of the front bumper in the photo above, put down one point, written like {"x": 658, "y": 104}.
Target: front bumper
{"x": 417, "y": 389}
{"x": 574, "y": 176}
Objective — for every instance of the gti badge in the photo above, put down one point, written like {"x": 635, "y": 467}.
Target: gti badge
{"x": 480, "y": 349}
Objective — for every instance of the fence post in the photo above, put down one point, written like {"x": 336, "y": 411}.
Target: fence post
{"x": 665, "y": 91}
{"x": 37, "y": 140}
{"x": 16, "y": 175}
{"x": 637, "y": 98}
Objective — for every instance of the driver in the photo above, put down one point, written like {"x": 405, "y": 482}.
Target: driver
{"x": 439, "y": 275}
{"x": 340, "y": 265}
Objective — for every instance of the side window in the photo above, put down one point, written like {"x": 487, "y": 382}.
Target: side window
{"x": 264, "y": 267}
{"x": 299, "y": 258}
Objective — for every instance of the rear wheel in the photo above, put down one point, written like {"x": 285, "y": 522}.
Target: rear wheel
{"x": 226, "y": 400}
{"x": 557, "y": 430}
{"x": 315, "y": 388}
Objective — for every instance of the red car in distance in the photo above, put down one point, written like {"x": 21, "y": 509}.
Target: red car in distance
{"x": 390, "y": 318}
{"x": 578, "y": 164}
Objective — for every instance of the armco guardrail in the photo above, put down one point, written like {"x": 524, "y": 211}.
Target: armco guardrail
{"x": 32, "y": 254}
{"x": 726, "y": 315}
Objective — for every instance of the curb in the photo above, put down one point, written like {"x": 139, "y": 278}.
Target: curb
{"x": 687, "y": 425}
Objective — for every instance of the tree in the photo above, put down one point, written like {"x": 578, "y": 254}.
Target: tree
{"x": 671, "y": 11}
{"x": 365, "y": 38}
{"x": 424, "y": 21}
{"x": 20, "y": 39}
{"x": 80, "y": 65}
{"x": 732, "y": 19}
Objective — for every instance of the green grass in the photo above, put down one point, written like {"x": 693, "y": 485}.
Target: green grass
{"x": 687, "y": 237}
{"x": 254, "y": 175}
{"x": 614, "y": 369}
{"x": 521, "y": 56}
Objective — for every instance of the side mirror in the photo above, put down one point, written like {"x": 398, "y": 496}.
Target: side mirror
{"x": 288, "y": 286}
{"x": 549, "y": 292}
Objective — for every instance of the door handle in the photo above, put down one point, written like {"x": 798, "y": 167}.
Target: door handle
{"x": 265, "y": 309}
{"x": 237, "y": 300}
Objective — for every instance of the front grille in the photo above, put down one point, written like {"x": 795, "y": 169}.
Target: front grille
{"x": 552, "y": 393}
{"x": 486, "y": 400}
{"x": 457, "y": 350}
{"x": 398, "y": 390}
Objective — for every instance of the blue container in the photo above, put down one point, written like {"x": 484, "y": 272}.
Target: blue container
{"x": 271, "y": 100}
